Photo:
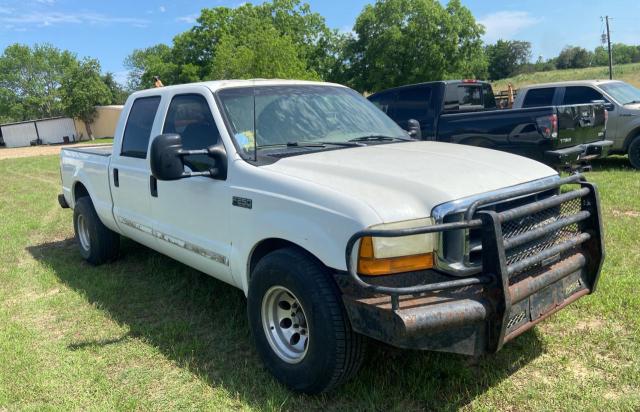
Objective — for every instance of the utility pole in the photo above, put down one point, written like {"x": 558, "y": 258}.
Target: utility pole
{"x": 609, "y": 48}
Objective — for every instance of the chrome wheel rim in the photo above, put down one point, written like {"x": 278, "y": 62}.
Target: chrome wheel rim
{"x": 83, "y": 232}
{"x": 285, "y": 324}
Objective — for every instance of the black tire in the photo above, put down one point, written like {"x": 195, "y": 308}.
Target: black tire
{"x": 103, "y": 243}
{"x": 334, "y": 352}
{"x": 634, "y": 152}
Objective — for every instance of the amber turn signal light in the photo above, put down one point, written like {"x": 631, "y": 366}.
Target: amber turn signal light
{"x": 368, "y": 264}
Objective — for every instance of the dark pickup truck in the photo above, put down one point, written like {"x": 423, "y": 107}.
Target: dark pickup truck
{"x": 465, "y": 112}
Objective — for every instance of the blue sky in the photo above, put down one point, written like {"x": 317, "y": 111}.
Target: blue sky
{"x": 109, "y": 30}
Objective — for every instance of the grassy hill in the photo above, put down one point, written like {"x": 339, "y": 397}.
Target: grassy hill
{"x": 627, "y": 72}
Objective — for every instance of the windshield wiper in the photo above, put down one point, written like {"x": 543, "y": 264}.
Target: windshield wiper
{"x": 379, "y": 138}
{"x": 345, "y": 144}
{"x": 632, "y": 102}
{"x": 323, "y": 144}
{"x": 292, "y": 144}
{"x": 312, "y": 144}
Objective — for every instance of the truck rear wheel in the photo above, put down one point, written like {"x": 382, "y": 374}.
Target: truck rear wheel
{"x": 299, "y": 325}
{"x": 634, "y": 152}
{"x": 98, "y": 244}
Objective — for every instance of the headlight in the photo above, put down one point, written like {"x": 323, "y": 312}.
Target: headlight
{"x": 388, "y": 255}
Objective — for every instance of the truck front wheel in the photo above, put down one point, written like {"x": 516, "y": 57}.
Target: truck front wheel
{"x": 634, "y": 152}
{"x": 98, "y": 244}
{"x": 299, "y": 325}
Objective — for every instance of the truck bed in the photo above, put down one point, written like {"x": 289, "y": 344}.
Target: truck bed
{"x": 100, "y": 150}
{"x": 90, "y": 165}
{"x": 516, "y": 131}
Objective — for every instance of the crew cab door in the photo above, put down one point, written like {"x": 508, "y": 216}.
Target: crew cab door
{"x": 192, "y": 214}
{"x": 129, "y": 172}
{"x": 586, "y": 95}
{"x": 579, "y": 120}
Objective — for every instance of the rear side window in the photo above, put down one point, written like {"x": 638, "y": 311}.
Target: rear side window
{"x": 539, "y": 97}
{"x": 189, "y": 116}
{"x": 383, "y": 100}
{"x": 412, "y": 104}
{"x": 580, "y": 95}
{"x": 138, "y": 129}
{"x": 468, "y": 97}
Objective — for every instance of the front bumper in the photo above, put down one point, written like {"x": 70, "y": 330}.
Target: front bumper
{"x": 578, "y": 153}
{"x": 477, "y": 315}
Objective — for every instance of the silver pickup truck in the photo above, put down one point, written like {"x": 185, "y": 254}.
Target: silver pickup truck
{"x": 622, "y": 101}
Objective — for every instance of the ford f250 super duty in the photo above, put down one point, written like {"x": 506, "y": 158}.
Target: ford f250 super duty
{"x": 336, "y": 225}
{"x": 465, "y": 112}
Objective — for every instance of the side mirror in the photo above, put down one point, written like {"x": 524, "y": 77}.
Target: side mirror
{"x": 167, "y": 163}
{"x": 413, "y": 128}
{"x": 166, "y": 159}
{"x": 607, "y": 104}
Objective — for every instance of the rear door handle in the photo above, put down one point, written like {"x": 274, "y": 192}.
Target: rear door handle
{"x": 116, "y": 178}
{"x": 153, "y": 186}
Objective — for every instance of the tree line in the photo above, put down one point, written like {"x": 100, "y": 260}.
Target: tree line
{"x": 43, "y": 81}
{"x": 393, "y": 42}
{"x": 508, "y": 58}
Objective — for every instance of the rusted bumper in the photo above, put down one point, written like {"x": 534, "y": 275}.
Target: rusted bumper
{"x": 519, "y": 285}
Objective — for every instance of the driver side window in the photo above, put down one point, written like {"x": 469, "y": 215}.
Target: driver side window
{"x": 190, "y": 117}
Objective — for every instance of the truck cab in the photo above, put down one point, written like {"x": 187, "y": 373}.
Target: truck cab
{"x": 337, "y": 226}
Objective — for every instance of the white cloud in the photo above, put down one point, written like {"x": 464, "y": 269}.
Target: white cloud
{"x": 506, "y": 24}
{"x": 162, "y": 9}
{"x": 190, "y": 19}
{"x": 54, "y": 18}
{"x": 49, "y": 2}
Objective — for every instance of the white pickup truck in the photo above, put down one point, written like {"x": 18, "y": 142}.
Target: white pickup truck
{"x": 336, "y": 225}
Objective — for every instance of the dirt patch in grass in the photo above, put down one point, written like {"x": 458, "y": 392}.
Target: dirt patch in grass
{"x": 16, "y": 152}
{"x": 590, "y": 324}
{"x": 625, "y": 213}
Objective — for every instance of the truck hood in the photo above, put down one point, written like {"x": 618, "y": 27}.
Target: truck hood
{"x": 406, "y": 180}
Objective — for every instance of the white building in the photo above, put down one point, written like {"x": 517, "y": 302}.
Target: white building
{"x": 43, "y": 131}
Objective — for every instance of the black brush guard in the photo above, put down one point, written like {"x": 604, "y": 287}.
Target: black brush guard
{"x": 518, "y": 286}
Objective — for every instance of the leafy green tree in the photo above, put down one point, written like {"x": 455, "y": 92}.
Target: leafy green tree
{"x": 118, "y": 93}
{"x": 407, "y": 41}
{"x": 30, "y": 79}
{"x": 573, "y": 57}
{"x": 262, "y": 53}
{"x": 82, "y": 89}
{"x": 505, "y": 57}
{"x": 621, "y": 54}
{"x": 194, "y": 54}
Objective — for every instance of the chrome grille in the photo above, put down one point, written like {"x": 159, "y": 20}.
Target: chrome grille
{"x": 517, "y": 227}
{"x": 460, "y": 252}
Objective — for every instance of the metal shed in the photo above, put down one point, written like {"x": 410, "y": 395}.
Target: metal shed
{"x": 43, "y": 131}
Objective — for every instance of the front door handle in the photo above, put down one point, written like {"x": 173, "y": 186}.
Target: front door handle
{"x": 116, "y": 178}
{"x": 153, "y": 186}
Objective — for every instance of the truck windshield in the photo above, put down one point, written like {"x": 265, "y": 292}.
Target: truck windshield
{"x": 624, "y": 93}
{"x": 295, "y": 115}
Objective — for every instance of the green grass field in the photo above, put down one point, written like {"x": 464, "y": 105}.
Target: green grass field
{"x": 147, "y": 333}
{"x": 629, "y": 73}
